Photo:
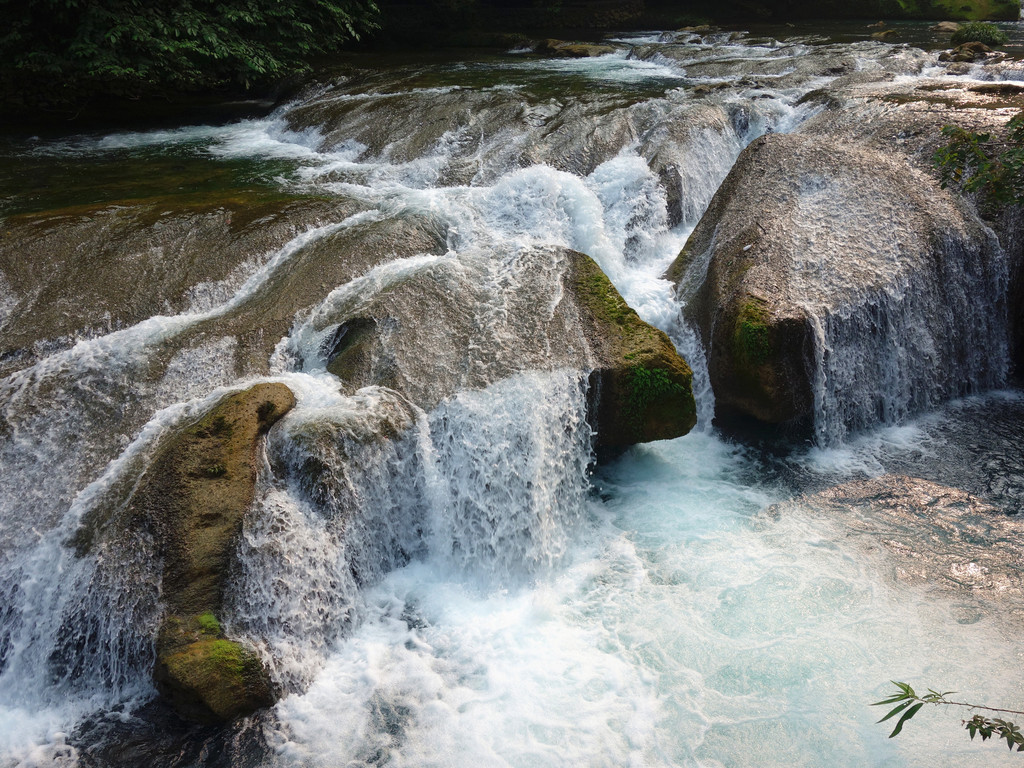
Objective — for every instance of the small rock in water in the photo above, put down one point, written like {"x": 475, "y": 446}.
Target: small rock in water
{"x": 969, "y": 52}
{"x": 565, "y": 49}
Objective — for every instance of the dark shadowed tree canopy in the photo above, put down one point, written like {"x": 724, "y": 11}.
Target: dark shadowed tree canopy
{"x": 58, "y": 51}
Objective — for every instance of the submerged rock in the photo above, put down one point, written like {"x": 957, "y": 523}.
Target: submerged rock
{"x": 842, "y": 287}
{"x": 466, "y": 324}
{"x": 193, "y": 496}
{"x": 939, "y": 537}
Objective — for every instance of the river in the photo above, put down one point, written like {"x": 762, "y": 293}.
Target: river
{"x": 500, "y": 600}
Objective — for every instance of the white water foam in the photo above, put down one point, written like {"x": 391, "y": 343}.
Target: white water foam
{"x": 687, "y": 630}
{"x": 482, "y": 488}
{"x": 662, "y": 624}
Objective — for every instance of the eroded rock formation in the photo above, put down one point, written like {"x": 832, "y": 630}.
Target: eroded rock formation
{"x": 193, "y": 497}
{"x": 430, "y": 335}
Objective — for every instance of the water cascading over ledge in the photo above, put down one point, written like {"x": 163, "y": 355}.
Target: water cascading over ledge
{"x": 439, "y": 253}
{"x": 215, "y": 656}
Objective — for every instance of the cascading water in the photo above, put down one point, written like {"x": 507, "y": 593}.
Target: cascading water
{"x": 917, "y": 340}
{"x": 456, "y": 585}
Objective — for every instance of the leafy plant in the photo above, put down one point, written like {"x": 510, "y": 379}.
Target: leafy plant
{"x": 908, "y": 703}
{"x": 981, "y": 32}
{"x": 73, "y": 48}
{"x": 977, "y": 162}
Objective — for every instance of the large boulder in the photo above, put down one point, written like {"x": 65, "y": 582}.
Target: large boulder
{"x": 193, "y": 497}
{"x": 837, "y": 285}
{"x": 457, "y": 324}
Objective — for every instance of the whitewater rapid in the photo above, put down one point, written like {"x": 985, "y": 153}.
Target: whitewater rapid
{"x": 500, "y": 601}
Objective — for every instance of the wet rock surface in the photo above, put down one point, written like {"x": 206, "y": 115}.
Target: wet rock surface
{"x": 936, "y": 536}
{"x": 551, "y": 47}
{"x": 802, "y": 230}
{"x": 85, "y": 271}
{"x": 451, "y": 327}
{"x": 791, "y": 274}
{"x": 970, "y": 52}
{"x": 193, "y": 497}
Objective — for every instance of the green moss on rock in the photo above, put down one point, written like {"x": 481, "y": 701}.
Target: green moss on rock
{"x": 763, "y": 363}
{"x": 210, "y": 679}
{"x": 208, "y": 623}
{"x": 193, "y": 497}
{"x": 641, "y": 386}
{"x": 751, "y": 340}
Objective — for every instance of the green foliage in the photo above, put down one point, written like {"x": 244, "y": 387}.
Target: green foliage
{"x": 981, "y": 32}
{"x": 136, "y": 47}
{"x": 977, "y": 162}
{"x": 908, "y": 703}
{"x": 987, "y": 727}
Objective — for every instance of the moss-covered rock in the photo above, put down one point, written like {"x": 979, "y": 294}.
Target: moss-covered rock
{"x": 206, "y": 676}
{"x": 423, "y": 338}
{"x": 193, "y": 497}
{"x": 642, "y": 387}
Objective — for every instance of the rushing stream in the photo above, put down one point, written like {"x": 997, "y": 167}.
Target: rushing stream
{"x": 498, "y": 600}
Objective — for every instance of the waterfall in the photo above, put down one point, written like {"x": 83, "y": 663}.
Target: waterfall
{"x": 489, "y": 487}
{"x": 912, "y": 345}
{"x": 450, "y": 577}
